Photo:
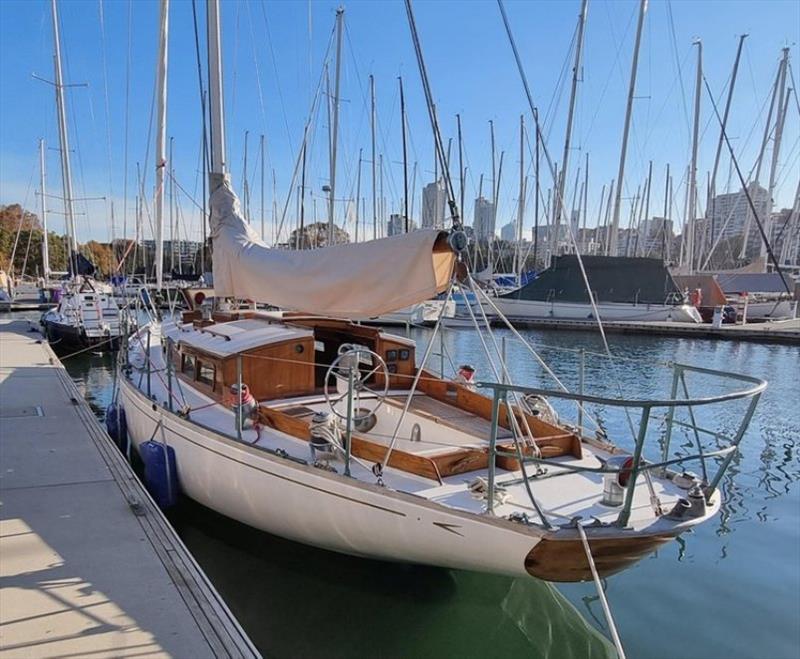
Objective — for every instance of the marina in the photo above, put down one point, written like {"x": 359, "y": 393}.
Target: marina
{"x": 245, "y": 412}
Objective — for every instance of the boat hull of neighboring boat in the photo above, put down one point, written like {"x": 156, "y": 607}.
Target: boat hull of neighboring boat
{"x": 65, "y": 337}
{"x": 611, "y": 311}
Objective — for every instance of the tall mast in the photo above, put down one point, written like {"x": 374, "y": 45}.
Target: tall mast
{"x": 215, "y": 100}
{"x": 66, "y": 172}
{"x": 537, "y": 192}
{"x": 302, "y": 228}
{"x": 713, "y": 192}
{"x": 691, "y": 211}
{"x": 358, "y": 188}
{"x": 760, "y": 159}
{"x": 45, "y": 247}
{"x": 374, "y": 182}
{"x": 521, "y": 208}
{"x": 405, "y": 154}
{"x": 261, "y": 153}
{"x": 245, "y": 183}
{"x": 335, "y": 134}
{"x": 612, "y": 242}
{"x": 667, "y": 210}
{"x": 646, "y": 211}
{"x": 460, "y": 167}
{"x": 161, "y": 139}
{"x": 780, "y": 117}
{"x": 172, "y": 217}
{"x": 568, "y": 136}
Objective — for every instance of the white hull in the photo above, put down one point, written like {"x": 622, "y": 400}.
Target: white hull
{"x": 309, "y": 505}
{"x": 771, "y": 310}
{"x": 582, "y": 311}
{"x": 424, "y": 313}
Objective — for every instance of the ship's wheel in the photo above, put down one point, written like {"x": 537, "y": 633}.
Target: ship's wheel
{"x": 367, "y": 398}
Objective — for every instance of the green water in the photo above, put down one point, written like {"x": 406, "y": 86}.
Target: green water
{"x": 729, "y": 589}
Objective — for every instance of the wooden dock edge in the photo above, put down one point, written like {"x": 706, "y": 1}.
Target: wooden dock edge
{"x": 219, "y": 626}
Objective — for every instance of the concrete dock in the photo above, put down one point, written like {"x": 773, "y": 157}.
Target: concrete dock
{"x": 776, "y": 331}
{"x": 88, "y": 564}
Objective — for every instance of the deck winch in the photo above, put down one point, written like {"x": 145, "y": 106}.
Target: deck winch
{"x": 325, "y": 437}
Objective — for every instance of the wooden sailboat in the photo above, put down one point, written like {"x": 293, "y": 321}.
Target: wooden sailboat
{"x": 338, "y": 435}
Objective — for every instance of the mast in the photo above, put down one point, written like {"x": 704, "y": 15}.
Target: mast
{"x": 713, "y": 192}
{"x": 760, "y": 159}
{"x": 537, "y": 192}
{"x": 568, "y": 136}
{"x": 780, "y": 117}
{"x": 66, "y": 172}
{"x": 374, "y": 186}
{"x": 172, "y": 217}
{"x": 646, "y": 211}
{"x": 612, "y": 242}
{"x": 301, "y": 232}
{"x": 161, "y": 139}
{"x": 358, "y": 189}
{"x": 245, "y": 184}
{"x": 216, "y": 104}
{"x": 692, "y": 204}
{"x": 335, "y": 135}
{"x": 667, "y": 195}
{"x": 585, "y": 197}
{"x": 261, "y": 153}
{"x": 460, "y": 166}
{"x": 405, "y": 154}
{"x": 45, "y": 247}
{"x": 521, "y": 210}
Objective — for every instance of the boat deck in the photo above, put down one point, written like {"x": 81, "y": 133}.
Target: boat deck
{"x": 561, "y": 493}
{"x": 90, "y": 567}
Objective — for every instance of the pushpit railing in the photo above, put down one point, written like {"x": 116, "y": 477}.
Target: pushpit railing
{"x": 500, "y": 393}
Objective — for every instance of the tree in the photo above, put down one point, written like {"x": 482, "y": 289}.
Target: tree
{"x": 316, "y": 235}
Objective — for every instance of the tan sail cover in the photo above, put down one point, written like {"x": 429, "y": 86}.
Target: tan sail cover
{"x": 358, "y": 280}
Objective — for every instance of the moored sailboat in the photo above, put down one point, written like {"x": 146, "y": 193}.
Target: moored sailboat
{"x": 316, "y": 429}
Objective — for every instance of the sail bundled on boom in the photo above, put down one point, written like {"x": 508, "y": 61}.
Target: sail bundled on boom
{"x": 358, "y": 280}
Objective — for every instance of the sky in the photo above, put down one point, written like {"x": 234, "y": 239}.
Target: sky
{"x": 273, "y": 56}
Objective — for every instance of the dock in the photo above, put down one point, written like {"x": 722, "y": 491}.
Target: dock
{"x": 89, "y": 566}
{"x": 776, "y": 331}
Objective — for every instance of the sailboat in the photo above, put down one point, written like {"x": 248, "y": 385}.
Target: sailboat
{"x": 86, "y": 315}
{"x": 308, "y": 426}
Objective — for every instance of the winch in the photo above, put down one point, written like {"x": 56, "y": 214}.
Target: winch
{"x": 325, "y": 436}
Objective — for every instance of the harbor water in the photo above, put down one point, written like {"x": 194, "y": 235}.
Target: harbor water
{"x": 728, "y": 589}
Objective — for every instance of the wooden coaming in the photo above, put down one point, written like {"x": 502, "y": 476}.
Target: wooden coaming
{"x": 545, "y": 434}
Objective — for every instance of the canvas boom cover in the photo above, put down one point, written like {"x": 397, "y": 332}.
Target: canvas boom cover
{"x": 359, "y": 280}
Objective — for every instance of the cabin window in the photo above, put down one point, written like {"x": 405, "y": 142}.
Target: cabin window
{"x": 205, "y": 373}
{"x": 188, "y": 366}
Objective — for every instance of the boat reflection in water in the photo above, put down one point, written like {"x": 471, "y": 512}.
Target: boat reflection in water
{"x": 298, "y": 601}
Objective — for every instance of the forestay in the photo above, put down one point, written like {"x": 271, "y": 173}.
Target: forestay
{"x": 359, "y": 280}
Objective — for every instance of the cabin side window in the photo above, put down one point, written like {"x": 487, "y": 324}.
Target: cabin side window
{"x": 206, "y": 373}
{"x": 188, "y": 366}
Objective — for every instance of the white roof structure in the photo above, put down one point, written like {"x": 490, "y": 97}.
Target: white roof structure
{"x": 227, "y": 339}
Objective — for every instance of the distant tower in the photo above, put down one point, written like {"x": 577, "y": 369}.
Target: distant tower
{"x": 483, "y": 224}
{"x": 434, "y": 201}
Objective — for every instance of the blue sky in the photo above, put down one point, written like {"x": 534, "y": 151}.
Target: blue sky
{"x": 273, "y": 54}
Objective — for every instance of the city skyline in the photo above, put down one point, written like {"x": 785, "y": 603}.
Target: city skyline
{"x": 273, "y": 59}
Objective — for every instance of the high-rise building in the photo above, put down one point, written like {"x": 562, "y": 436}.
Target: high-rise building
{"x": 397, "y": 225}
{"x": 434, "y": 201}
{"x": 728, "y": 212}
{"x": 508, "y": 232}
{"x": 483, "y": 219}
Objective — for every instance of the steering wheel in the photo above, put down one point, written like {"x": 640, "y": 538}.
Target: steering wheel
{"x": 350, "y": 357}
